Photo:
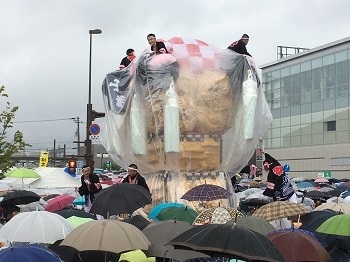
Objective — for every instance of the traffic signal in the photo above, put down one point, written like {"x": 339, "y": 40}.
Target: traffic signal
{"x": 108, "y": 164}
{"x": 72, "y": 166}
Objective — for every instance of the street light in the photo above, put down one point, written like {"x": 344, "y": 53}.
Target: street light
{"x": 88, "y": 153}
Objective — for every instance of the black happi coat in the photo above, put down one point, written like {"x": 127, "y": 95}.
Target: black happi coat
{"x": 94, "y": 189}
{"x": 279, "y": 186}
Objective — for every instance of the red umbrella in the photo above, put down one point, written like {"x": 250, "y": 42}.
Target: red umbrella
{"x": 59, "y": 203}
{"x": 297, "y": 246}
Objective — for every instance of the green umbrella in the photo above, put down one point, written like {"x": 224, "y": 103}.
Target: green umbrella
{"x": 253, "y": 223}
{"x": 178, "y": 213}
{"x": 336, "y": 225}
{"x": 22, "y": 173}
{"x": 77, "y": 221}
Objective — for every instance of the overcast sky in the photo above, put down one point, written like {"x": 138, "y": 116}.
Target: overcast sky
{"x": 44, "y": 46}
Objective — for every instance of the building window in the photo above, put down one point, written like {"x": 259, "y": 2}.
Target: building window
{"x": 329, "y": 126}
{"x": 340, "y": 161}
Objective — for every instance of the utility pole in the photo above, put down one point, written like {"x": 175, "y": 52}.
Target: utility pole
{"x": 77, "y": 133}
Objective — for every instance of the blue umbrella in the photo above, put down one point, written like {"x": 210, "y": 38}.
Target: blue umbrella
{"x": 28, "y": 253}
{"x": 79, "y": 201}
{"x": 155, "y": 211}
{"x": 304, "y": 185}
{"x": 345, "y": 194}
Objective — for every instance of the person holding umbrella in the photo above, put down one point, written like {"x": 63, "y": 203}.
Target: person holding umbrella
{"x": 90, "y": 186}
{"x": 134, "y": 177}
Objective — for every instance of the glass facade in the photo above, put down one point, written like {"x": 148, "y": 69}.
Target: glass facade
{"x": 309, "y": 101}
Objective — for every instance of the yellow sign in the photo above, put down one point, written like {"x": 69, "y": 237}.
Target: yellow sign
{"x": 44, "y": 158}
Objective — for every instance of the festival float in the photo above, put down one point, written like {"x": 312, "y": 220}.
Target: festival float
{"x": 186, "y": 117}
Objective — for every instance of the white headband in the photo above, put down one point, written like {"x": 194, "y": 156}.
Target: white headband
{"x": 135, "y": 169}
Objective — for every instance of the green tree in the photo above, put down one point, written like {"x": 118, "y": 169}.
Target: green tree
{"x": 8, "y": 145}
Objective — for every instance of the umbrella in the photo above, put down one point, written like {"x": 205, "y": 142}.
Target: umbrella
{"x": 5, "y": 187}
{"x": 19, "y": 197}
{"x": 217, "y": 215}
{"x": 36, "y": 226}
{"x": 66, "y": 213}
{"x": 321, "y": 180}
{"x": 336, "y": 225}
{"x": 339, "y": 255}
{"x": 345, "y": 194}
{"x": 298, "y": 246}
{"x": 303, "y": 185}
{"x": 135, "y": 255}
{"x": 50, "y": 196}
{"x": 77, "y": 221}
{"x": 234, "y": 241}
{"x": 338, "y": 207}
{"x": 280, "y": 209}
{"x": 281, "y": 223}
{"x": 30, "y": 252}
{"x": 315, "y": 194}
{"x": 22, "y": 173}
{"x": 106, "y": 235}
{"x": 253, "y": 223}
{"x": 120, "y": 199}
{"x": 336, "y": 200}
{"x": 313, "y": 220}
{"x": 79, "y": 201}
{"x": 334, "y": 193}
{"x": 169, "y": 252}
{"x": 161, "y": 232}
{"x": 155, "y": 210}
{"x": 255, "y": 198}
{"x": 186, "y": 214}
{"x": 342, "y": 187}
{"x": 138, "y": 221}
{"x": 59, "y": 203}
{"x": 70, "y": 254}
{"x": 213, "y": 259}
{"x": 206, "y": 192}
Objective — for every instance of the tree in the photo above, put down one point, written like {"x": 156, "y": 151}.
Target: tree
{"x": 8, "y": 146}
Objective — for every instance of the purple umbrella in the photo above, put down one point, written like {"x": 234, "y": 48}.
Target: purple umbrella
{"x": 206, "y": 192}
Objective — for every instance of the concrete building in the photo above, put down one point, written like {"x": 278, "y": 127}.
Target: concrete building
{"x": 308, "y": 94}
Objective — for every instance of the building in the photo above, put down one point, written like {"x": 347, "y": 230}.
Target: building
{"x": 308, "y": 94}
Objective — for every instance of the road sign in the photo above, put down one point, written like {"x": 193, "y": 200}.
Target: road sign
{"x": 95, "y": 129}
{"x": 327, "y": 174}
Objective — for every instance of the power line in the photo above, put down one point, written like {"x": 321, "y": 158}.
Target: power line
{"x": 39, "y": 121}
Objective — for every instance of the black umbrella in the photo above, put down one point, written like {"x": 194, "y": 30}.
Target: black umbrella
{"x": 228, "y": 241}
{"x": 118, "y": 199}
{"x": 66, "y": 213}
{"x": 70, "y": 254}
{"x": 315, "y": 194}
{"x": 339, "y": 255}
{"x": 138, "y": 221}
{"x": 19, "y": 197}
{"x": 313, "y": 220}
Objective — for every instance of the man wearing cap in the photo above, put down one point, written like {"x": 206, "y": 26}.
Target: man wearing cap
{"x": 240, "y": 45}
{"x": 130, "y": 56}
{"x": 134, "y": 177}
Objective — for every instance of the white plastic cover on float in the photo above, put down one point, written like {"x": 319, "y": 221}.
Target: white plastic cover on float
{"x": 197, "y": 109}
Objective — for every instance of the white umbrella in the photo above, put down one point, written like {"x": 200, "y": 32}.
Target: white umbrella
{"x": 281, "y": 223}
{"x": 37, "y": 227}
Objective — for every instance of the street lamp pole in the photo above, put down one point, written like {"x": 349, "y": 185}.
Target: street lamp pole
{"x": 88, "y": 145}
